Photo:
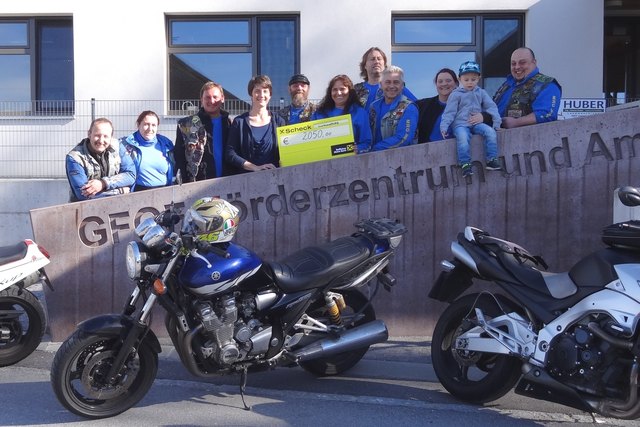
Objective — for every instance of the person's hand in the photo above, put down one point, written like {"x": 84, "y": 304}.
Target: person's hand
{"x": 509, "y": 122}
{"x": 251, "y": 167}
{"x": 265, "y": 167}
{"x": 475, "y": 118}
{"x": 444, "y": 135}
{"x": 93, "y": 187}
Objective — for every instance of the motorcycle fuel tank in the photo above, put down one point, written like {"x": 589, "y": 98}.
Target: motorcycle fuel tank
{"x": 222, "y": 274}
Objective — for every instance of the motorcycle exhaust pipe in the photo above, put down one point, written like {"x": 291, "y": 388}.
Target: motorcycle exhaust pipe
{"x": 352, "y": 339}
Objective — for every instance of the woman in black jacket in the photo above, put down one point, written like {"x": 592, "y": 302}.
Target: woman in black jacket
{"x": 430, "y": 109}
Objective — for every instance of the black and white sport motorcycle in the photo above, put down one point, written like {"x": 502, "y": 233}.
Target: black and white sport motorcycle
{"x": 227, "y": 310}
{"x": 572, "y": 338}
{"x": 22, "y": 315}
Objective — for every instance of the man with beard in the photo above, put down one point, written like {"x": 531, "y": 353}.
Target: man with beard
{"x": 301, "y": 108}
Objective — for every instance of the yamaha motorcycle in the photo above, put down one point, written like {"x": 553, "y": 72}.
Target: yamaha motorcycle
{"x": 227, "y": 310}
{"x": 572, "y": 337}
{"x": 22, "y": 316}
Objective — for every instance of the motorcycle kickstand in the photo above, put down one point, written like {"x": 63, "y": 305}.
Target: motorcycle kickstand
{"x": 243, "y": 386}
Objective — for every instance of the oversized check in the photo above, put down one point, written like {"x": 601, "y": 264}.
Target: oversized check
{"x": 316, "y": 140}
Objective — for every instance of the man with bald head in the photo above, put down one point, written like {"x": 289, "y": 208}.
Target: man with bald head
{"x": 527, "y": 96}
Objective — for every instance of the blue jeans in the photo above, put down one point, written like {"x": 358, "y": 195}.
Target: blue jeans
{"x": 463, "y": 137}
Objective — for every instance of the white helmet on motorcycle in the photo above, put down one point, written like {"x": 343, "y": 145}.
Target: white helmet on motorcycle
{"x": 212, "y": 220}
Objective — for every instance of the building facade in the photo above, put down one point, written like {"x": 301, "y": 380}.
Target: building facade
{"x": 67, "y": 50}
{"x": 64, "y": 62}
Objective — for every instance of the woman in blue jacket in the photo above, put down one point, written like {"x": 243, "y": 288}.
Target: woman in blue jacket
{"x": 151, "y": 152}
{"x": 341, "y": 98}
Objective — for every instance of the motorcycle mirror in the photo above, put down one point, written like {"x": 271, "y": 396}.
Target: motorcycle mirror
{"x": 629, "y": 196}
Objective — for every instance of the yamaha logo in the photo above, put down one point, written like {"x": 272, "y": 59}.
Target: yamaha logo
{"x": 215, "y": 275}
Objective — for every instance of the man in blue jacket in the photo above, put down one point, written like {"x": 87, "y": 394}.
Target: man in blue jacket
{"x": 98, "y": 166}
{"x": 394, "y": 117}
{"x": 527, "y": 96}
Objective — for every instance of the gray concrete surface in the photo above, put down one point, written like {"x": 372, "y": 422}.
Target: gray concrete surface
{"x": 19, "y": 196}
{"x": 393, "y": 385}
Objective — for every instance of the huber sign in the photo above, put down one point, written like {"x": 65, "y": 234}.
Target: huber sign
{"x": 578, "y": 107}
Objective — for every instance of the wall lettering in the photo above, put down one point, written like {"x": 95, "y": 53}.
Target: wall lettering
{"x": 95, "y": 231}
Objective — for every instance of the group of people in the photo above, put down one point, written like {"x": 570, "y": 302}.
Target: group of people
{"x": 384, "y": 114}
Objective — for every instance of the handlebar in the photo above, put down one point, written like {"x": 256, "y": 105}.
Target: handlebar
{"x": 168, "y": 218}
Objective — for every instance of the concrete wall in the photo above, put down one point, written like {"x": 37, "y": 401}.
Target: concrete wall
{"x": 19, "y": 196}
{"x": 554, "y": 199}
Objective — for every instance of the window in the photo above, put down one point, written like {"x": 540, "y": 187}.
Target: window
{"x": 423, "y": 45}
{"x": 36, "y": 66}
{"x": 230, "y": 51}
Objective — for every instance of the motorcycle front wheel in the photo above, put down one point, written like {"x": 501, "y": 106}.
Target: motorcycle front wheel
{"x": 341, "y": 362}
{"x": 471, "y": 376}
{"x": 79, "y": 370}
{"x": 22, "y": 324}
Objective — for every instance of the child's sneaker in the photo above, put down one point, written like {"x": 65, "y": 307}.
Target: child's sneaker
{"x": 466, "y": 170}
{"x": 494, "y": 165}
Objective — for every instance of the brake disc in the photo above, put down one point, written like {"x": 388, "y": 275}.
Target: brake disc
{"x": 95, "y": 372}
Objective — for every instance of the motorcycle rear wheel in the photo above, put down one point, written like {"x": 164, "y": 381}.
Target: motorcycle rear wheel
{"x": 79, "y": 368}
{"x": 341, "y": 362}
{"x": 23, "y": 320}
{"x": 471, "y": 376}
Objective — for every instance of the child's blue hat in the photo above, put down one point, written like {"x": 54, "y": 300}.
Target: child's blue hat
{"x": 469, "y": 67}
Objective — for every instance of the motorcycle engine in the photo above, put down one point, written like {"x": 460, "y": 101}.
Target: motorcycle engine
{"x": 583, "y": 360}
{"x": 232, "y": 333}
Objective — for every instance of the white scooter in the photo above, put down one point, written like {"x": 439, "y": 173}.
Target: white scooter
{"x": 22, "y": 316}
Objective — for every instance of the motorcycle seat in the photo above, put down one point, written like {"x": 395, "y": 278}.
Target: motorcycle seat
{"x": 12, "y": 253}
{"x": 528, "y": 269}
{"x": 315, "y": 266}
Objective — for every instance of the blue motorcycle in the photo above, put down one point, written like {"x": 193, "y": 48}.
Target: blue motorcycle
{"x": 227, "y": 310}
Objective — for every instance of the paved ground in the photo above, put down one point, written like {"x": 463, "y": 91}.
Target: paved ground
{"x": 394, "y": 384}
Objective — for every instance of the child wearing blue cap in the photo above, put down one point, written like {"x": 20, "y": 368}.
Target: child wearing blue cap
{"x": 463, "y": 102}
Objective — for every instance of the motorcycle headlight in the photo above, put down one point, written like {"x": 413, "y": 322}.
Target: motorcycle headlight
{"x": 135, "y": 259}
{"x": 144, "y": 227}
{"x": 155, "y": 237}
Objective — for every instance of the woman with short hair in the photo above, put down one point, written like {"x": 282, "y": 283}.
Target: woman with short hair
{"x": 252, "y": 143}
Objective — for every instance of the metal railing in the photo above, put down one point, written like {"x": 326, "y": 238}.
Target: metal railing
{"x": 35, "y": 137}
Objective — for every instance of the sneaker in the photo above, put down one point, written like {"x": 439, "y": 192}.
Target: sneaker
{"x": 494, "y": 165}
{"x": 466, "y": 170}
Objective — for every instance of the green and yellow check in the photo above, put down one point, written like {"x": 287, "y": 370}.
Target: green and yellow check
{"x": 316, "y": 140}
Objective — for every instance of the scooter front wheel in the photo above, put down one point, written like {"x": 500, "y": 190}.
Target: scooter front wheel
{"x": 79, "y": 375}
{"x": 22, "y": 324}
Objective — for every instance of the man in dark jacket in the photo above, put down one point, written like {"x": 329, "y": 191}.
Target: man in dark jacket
{"x": 201, "y": 138}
